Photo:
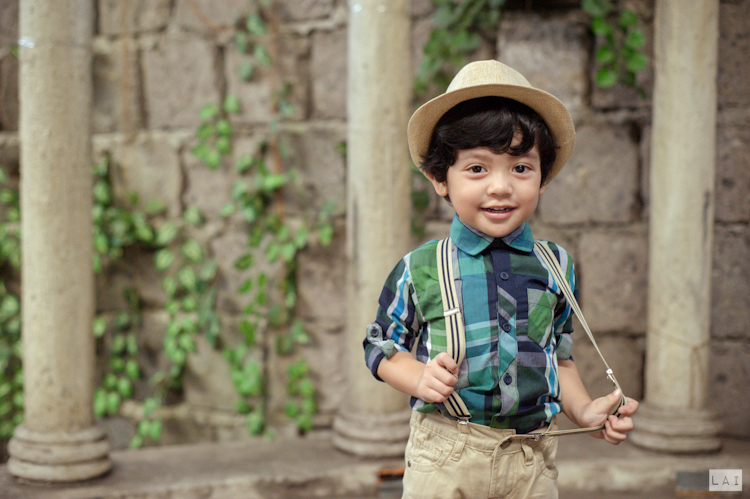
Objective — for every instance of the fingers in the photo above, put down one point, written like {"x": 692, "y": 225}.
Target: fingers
{"x": 628, "y": 409}
{"x": 438, "y": 379}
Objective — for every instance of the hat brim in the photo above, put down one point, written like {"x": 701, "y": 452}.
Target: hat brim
{"x": 549, "y": 107}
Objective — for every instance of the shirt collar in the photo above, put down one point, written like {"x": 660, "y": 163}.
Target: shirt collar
{"x": 473, "y": 242}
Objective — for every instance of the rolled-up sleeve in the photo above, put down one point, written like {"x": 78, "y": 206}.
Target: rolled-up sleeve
{"x": 396, "y": 325}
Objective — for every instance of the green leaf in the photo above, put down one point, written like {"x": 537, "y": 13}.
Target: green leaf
{"x": 100, "y": 327}
{"x": 597, "y": 8}
{"x": 255, "y": 422}
{"x": 208, "y": 112}
{"x": 600, "y": 27}
{"x": 325, "y": 236}
{"x": 636, "y": 62}
{"x": 606, "y": 78}
{"x": 605, "y": 55}
{"x": 273, "y": 182}
{"x": 244, "y": 262}
{"x": 125, "y": 387}
{"x": 255, "y": 26}
{"x": 192, "y": 215}
{"x": 163, "y": 259}
{"x": 132, "y": 370}
{"x": 169, "y": 285}
{"x": 635, "y": 40}
{"x": 193, "y": 251}
{"x": 102, "y": 193}
{"x": 241, "y": 42}
{"x": 155, "y": 207}
{"x": 246, "y": 70}
{"x": 166, "y": 233}
{"x": 100, "y": 402}
{"x": 187, "y": 278}
{"x": 227, "y": 210}
{"x": 262, "y": 56}
{"x": 628, "y": 19}
{"x": 113, "y": 402}
{"x": 244, "y": 163}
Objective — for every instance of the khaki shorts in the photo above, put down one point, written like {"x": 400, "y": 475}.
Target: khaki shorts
{"x": 445, "y": 459}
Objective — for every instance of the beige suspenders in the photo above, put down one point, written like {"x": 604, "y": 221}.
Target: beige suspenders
{"x": 456, "y": 337}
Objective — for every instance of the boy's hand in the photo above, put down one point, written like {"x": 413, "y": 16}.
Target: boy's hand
{"x": 615, "y": 429}
{"x": 438, "y": 379}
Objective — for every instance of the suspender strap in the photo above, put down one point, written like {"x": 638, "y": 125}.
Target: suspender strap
{"x": 456, "y": 336}
{"x": 454, "y": 322}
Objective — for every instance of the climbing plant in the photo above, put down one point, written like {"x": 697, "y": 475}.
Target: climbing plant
{"x": 188, "y": 274}
{"x": 459, "y": 28}
{"x": 11, "y": 374}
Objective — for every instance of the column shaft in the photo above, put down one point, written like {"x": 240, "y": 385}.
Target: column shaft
{"x": 374, "y": 420}
{"x": 58, "y": 440}
{"x": 676, "y": 416}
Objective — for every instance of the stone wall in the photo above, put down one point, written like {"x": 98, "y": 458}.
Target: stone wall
{"x": 159, "y": 61}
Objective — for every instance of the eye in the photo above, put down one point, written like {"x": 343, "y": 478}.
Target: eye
{"x": 521, "y": 168}
{"x": 476, "y": 169}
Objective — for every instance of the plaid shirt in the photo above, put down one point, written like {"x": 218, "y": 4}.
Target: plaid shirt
{"x": 517, "y": 323}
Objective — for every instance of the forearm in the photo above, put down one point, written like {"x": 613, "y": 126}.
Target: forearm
{"x": 402, "y": 371}
{"x": 573, "y": 394}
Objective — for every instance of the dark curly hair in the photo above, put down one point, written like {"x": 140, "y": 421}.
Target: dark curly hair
{"x": 490, "y": 122}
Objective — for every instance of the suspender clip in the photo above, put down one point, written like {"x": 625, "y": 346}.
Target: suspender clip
{"x": 452, "y": 311}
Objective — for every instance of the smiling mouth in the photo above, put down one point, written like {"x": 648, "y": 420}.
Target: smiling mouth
{"x": 498, "y": 210}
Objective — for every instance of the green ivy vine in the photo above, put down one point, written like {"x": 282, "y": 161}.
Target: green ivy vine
{"x": 189, "y": 275}
{"x": 459, "y": 28}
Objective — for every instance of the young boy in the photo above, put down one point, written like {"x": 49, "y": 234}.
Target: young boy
{"x": 489, "y": 145}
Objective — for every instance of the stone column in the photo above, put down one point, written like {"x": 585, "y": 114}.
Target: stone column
{"x": 374, "y": 419}
{"x": 676, "y": 415}
{"x": 58, "y": 440}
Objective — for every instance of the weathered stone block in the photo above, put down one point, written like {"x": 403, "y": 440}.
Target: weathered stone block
{"x": 8, "y": 23}
{"x": 613, "y": 279}
{"x": 732, "y": 174}
{"x": 421, "y": 8}
{"x": 320, "y": 166}
{"x": 730, "y": 313}
{"x": 600, "y": 182}
{"x": 624, "y": 354}
{"x": 136, "y": 16}
{"x": 305, "y": 10}
{"x": 328, "y": 74}
{"x": 179, "y": 79}
{"x": 207, "y": 379}
{"x": 530, "y": 51}
{"x": 208, "y": 190}
{"x": 321, "y": 283}
{"x": 208, "y": 15}
{"x": 9, "y": 104}
{"x": 734, "y": 45}
{"x": 728, "y": 381}
{"x": 149, "y": 166}
{"x": 116, "y": 87}
{"x": 258, "y": 95}
{"x": 10, "y": 152}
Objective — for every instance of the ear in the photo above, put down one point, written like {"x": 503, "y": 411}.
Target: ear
{"x": 542, "y": 189}
{"x": 441, "y": 188}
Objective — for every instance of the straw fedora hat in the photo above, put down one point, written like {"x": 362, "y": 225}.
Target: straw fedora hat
{"x": 493, "y": 78}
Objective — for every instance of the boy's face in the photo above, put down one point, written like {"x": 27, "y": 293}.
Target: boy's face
{"x": 493, "y": 193}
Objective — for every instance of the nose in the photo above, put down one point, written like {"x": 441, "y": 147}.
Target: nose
{"x": 499, "y": 184}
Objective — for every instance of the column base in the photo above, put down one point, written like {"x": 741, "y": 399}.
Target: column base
{"x": 371, "y": 435}
{"x": 58, "y": 456}
{"x": 677, "y": 431}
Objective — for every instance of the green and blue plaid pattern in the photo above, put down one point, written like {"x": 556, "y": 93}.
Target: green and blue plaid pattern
{"x": 517, "y": 323}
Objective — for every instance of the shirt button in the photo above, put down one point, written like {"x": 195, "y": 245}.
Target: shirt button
{"x": 508, "y": 379}
{"x": 506, "y": 327}
{"x": 504, "y": 276}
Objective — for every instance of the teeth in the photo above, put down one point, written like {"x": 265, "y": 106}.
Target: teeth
{"x": 498, "y": 210}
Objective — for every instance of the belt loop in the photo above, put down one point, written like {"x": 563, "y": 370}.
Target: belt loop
{"x": 463, "y": 435}
{"x": 528, "y": 452}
